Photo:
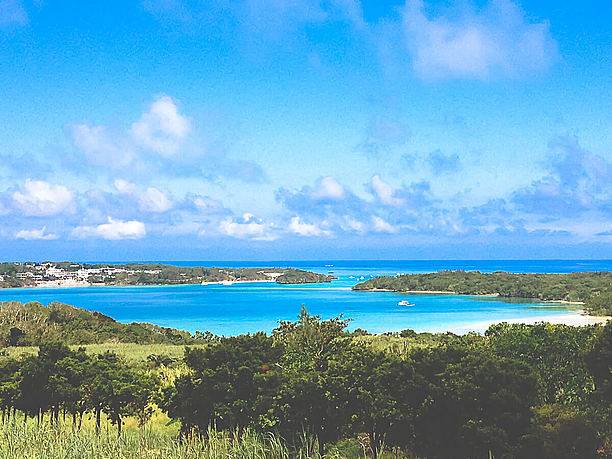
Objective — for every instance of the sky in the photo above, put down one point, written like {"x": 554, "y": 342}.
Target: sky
{"x": 305, "y": 130}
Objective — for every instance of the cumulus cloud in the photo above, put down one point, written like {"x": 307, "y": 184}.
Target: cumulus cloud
{"x": 496, "y": 40}
{"x": 385, "y": 192}
{"x": 382, "y": 226}
{"x": 207, "y": 205}
{"x": 411, "y": 205}
{"x": 305, "y": 229}
{"x": 150, "y": 199}
{"x": 154, "y": 200}
{"x": 100, "y": 147}
{"x": 326, "y": 197}
{"x": 577, "y": 181}
{"x": 151, "y": 146}
{"x": 248, "y": 227}
{"x": 41, "y": 199}
{"x": 350, "y": 224}
{"x": 327, "y": 188}
{"x": 162, "y": 129}
{"x": 36, "y": 234}
{"x": 113, "y": 230}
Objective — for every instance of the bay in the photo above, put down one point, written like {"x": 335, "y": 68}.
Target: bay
{"x": 251, "y": 307}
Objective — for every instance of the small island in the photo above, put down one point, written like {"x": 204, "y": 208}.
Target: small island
{"x": 592, "y": 289}
{"x": 70, "y": 274}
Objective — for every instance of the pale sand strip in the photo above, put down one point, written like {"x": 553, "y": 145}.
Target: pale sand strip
{"x": 575, "y": 319}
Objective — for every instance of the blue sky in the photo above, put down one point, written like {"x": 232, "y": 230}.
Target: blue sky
{"x": 269, "y": 129}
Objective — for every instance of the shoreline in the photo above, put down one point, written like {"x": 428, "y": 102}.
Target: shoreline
{"x": 575, "y": 319}
{"x": 445, "y": 292}
{"x": 228, "y": 283}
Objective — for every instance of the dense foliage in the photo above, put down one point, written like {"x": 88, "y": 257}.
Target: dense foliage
{"x": 518, "y": 391}
{"x": 592, "y": 288}
{"x": 69, "y": 273}
{"x": 31, "y": 324}
{"x": 299, "y": 276}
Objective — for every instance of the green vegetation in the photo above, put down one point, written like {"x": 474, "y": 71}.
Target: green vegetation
{"x": 32, "y": 323}
{"x": 592, "y": 288}
{"x": 313, "y": 390}
{"x": 298, "y": 276}
{"x": 67, "y": 273}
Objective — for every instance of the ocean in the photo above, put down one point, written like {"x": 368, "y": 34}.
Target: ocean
{"x": 250, "y": 307}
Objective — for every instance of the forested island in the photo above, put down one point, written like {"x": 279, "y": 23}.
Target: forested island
{"x": 68, "y": 274}
{"x": 311, "y": 389}
{"x": 594, "y": 289}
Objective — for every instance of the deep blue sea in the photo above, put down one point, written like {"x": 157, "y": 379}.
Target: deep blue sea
{"x": 242, "y": 308}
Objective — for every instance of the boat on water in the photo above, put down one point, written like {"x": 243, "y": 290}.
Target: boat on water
{"x": 405, "y": 303}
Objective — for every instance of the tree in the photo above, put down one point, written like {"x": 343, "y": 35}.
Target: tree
{"x": 560, "y": 432}
{"x": 142, "y": 389}
{"x": 599, "y": 363}
{"x": 473, "y": 400}
{"x": 310, "y": 342}
{"x": 378, "y": 393}
{"x": 554, "y": 352}
{"x": 9, "y": 385}
{"x": 223, "y": 383}
{"x": 308, "y": 399}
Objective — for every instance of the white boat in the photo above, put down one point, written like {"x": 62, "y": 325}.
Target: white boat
{"x": 405, "y": 303}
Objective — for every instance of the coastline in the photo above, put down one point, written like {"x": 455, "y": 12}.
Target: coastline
{"x": 575, "y": 319}
{"x": 86, "y": 284}
{"x": 445, "y": 292}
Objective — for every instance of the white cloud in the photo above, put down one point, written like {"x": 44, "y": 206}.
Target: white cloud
{"x": 385, "y": 192}
{"x": 306, "y": 229}
{"x": 123, "y": 186}
{"x": 154, "y": 200}
{"x": 113, "y": 230}
{"x": 328, "y": 188}
{"x": 353, "y": 225}
{"x": 207, "y": 205}
{"x": 149, "y": 200}
{"x": 41, "y": 199}
{"x": 248, "y": 228}
{"x": 100, "y": 147}
{"x": 161, "y": 129}
{"x": 470, "y": 43}
{"x": 381, "y": 226}
{"x": 36, "y": 234}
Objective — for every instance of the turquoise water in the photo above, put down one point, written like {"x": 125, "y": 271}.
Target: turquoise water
{"x": 242, "y": 308}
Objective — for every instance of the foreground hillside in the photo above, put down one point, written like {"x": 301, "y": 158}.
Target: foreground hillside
{"x": 311, "y": 390}
{"x": 32, "y": 323}
{"x": 592, "y": 288}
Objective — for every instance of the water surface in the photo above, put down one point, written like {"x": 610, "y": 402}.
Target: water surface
{"x": 250, "y": 307}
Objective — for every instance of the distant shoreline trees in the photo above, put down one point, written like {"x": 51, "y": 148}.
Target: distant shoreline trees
{"x": 594, "y": 289}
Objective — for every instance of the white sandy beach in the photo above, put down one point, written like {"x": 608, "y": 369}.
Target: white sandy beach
{"x": 575, "y": 319}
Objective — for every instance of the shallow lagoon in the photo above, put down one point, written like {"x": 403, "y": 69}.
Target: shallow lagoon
{"x": 249, "y": 307}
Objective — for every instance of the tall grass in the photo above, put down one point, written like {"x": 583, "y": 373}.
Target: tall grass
{"x": 132, "y": 352}
{"x": 30, "y": 440}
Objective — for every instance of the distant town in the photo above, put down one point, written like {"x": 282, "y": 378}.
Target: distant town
{"x": 70, "y": 274}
